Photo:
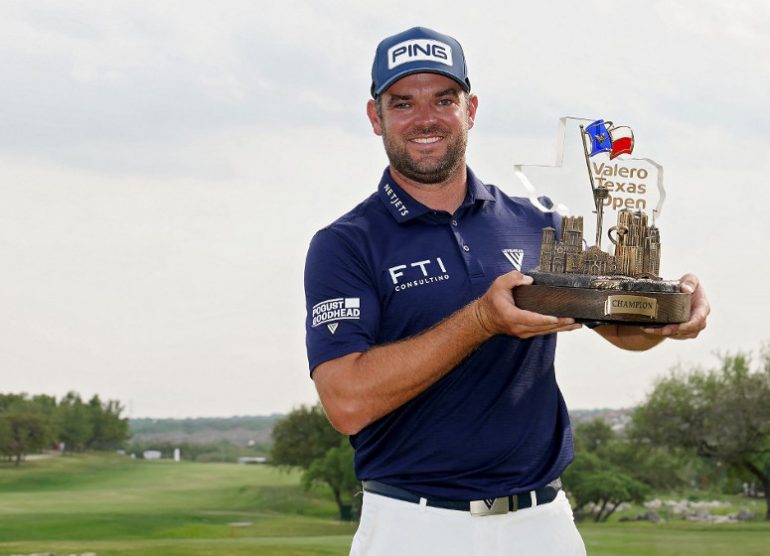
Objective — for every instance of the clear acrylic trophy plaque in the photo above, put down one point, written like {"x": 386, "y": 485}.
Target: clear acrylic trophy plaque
{"x": 603, "y": 265}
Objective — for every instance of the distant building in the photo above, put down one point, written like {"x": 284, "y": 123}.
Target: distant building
{"x": 637, "y": 249}
{"x": 251, "y": 460}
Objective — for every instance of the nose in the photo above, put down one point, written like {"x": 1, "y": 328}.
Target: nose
{"x": 425, "y": 113}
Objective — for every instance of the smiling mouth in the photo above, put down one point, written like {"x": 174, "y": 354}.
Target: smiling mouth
{"x": 426, "y": 140}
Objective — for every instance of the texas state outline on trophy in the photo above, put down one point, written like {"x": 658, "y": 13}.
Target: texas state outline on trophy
{"x": 596, "y": 183}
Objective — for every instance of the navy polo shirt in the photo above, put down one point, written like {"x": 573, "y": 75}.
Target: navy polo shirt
{"x": 392, "y": 267}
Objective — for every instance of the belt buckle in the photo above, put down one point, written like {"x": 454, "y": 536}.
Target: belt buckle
{"x": 489, "y": 506}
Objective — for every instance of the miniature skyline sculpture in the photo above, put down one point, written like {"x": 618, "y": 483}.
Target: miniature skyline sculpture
{"x": 637, "y": 243}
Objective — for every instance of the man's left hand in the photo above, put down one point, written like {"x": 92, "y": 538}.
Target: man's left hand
{"x": 699, "y": 311}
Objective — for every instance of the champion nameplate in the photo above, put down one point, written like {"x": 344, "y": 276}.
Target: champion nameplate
{"x": 631, "y": 305}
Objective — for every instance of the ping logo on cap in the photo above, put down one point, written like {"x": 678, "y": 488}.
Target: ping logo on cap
{"x": 419, "y": 50}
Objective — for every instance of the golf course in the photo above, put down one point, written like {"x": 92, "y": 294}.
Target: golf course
{"x": 118, "y": 506}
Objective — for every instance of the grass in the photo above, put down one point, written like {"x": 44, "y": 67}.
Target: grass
{"x": 676, "y": 539}
{"x": 115, "y": 506}
{"x": 111, "y": 504}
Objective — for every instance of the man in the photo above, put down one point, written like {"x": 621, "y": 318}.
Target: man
{"x": 417, "y": 348}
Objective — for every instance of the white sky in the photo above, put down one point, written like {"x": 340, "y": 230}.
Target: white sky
{"x": 163, "y": 166}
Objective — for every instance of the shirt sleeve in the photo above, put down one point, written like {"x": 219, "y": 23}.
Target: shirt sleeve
{"x": 341, "y": 299}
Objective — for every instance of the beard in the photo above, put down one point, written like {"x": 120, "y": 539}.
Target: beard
{"x": 429, "y": 171}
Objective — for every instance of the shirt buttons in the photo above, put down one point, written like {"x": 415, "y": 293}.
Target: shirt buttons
{"x": 466, "y": 248}
{"x": 454, "y": 222}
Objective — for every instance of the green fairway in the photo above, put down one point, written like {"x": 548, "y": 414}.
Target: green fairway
{"x": 112, "y": 505}
{"x": 677, "y": 539}
{"x": 115, "y": 505}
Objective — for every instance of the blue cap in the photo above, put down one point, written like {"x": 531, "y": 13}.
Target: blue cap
{"x": 418, "y": 50}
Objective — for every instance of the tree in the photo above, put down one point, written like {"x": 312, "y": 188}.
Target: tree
{"x": 109, "y": 430}
{"x": 6, "y": 436}
{"x": 594, "y": 436}
{"x": 302, "y": 437}
{"x": 305, "y": 439}
{"x": 720, "y": 414}
{"x": 602, "y": 475}
{"x": 335, "y": 469}
{"x": 604, "y": 484}
{"x": 658, "y": 468}
{"x": 7, "y": 401}
{"x": 75, "y": 427}
{"x": 25, "y": 430}
{"x": 30, "y": 424}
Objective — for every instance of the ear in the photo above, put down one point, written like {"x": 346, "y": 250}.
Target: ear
{"x": 473, "y": 104}
{"x": 371, "y": 112}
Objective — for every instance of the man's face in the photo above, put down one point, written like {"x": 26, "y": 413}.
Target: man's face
{"x": 424, "y": 125}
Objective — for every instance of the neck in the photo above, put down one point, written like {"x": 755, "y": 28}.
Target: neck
{"x": 447, "y": 195}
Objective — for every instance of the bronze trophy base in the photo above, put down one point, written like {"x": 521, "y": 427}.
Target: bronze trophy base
{"x": 605, "y": 299}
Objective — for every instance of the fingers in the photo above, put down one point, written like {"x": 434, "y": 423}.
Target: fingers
{"x": 531, "y": 333}
{"x": 699, "y": 309}
{"x": 699, "y": 312}
{"x": 530, "y": 318}
{"x": 514, "y": 278}
{"x": 688, "y": 283}
{"x": 674, "y": 331}
{"x": 499, "y": 314}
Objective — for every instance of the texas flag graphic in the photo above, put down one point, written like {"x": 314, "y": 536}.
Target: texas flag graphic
{"x": 605, "y": 137}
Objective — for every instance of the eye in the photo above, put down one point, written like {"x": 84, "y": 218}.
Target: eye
{"x": 401, "y": 105}
{"x": 445, "y": 102}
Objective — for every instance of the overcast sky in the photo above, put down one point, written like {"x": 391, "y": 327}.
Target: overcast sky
{"x": 163, "y": 166}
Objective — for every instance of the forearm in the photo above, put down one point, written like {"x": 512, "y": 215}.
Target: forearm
{"x": 362, "y": 387}
{"x": 359, "y": 388}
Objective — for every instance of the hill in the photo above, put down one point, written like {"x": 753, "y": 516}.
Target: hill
{"x": 241, "y": 430}
{"x": 615, "y": 418}
{"x": 256, "y": 430}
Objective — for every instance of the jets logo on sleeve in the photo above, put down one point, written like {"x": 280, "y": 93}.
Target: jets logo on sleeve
{"x": 331, "y": 311}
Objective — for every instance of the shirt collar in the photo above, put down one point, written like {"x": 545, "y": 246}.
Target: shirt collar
{"x": 477, "y": 191}
{"x": 398, "y": 202}
{"x": 404, "y": 207}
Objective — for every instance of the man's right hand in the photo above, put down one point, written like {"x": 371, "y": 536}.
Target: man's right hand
{"x": 497, "y": 312}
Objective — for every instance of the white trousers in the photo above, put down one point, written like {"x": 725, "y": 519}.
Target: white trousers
{"x": 391, "y": 527}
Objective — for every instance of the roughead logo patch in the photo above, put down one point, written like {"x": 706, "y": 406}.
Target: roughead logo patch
{"x": 333, "y": 310}
{"x": 417, "y": 50}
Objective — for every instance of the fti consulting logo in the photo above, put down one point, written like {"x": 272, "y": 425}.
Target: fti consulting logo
{"x": 418, "y": 273}
{"x": 331, "y": 311}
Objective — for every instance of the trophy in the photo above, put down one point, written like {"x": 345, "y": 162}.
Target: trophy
{"x": 621, "y": 284}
